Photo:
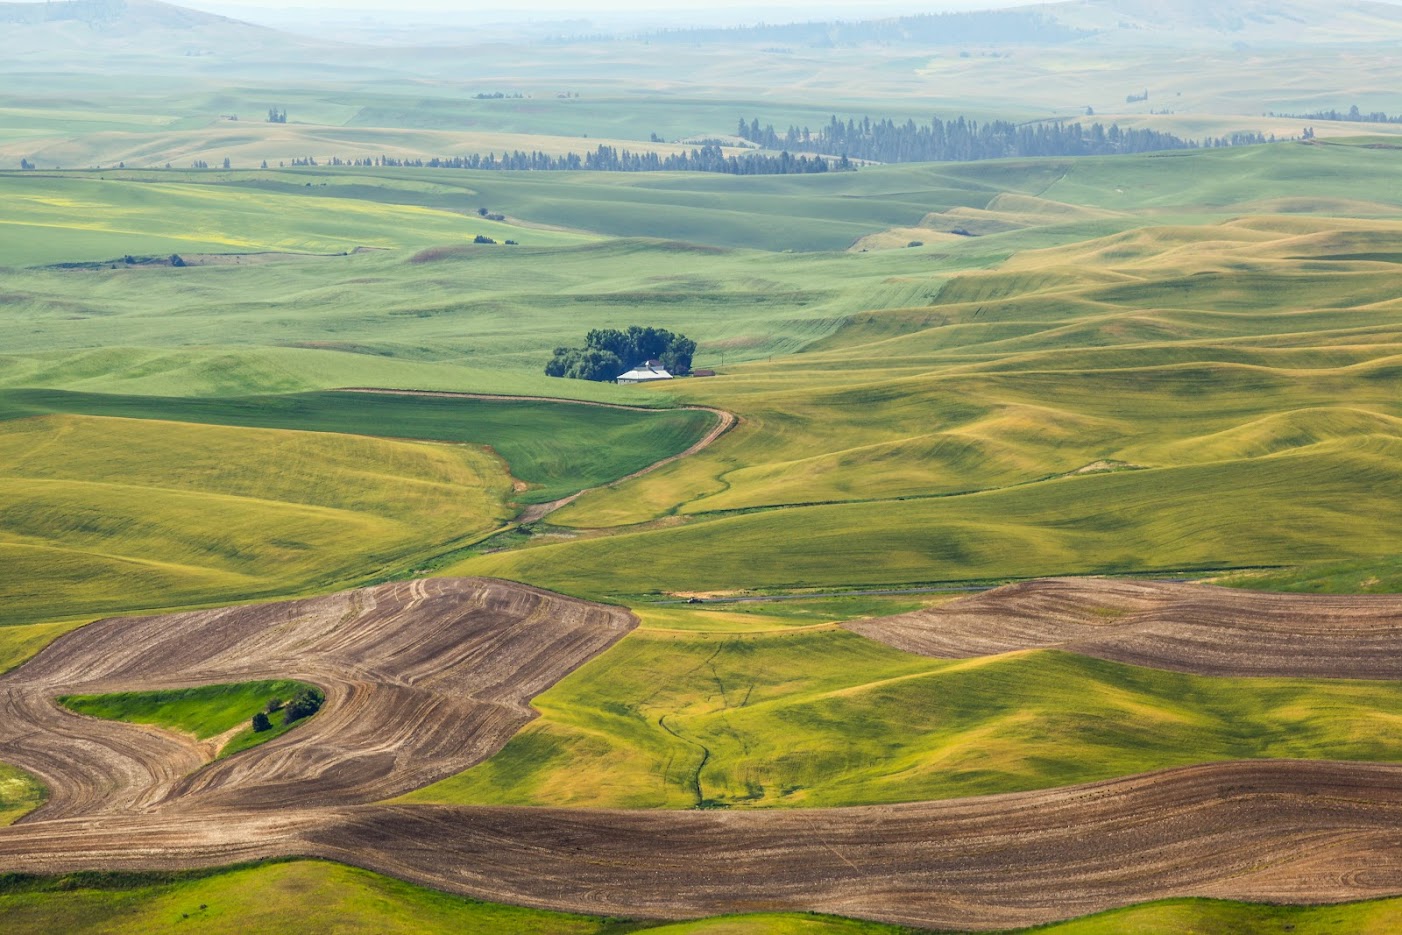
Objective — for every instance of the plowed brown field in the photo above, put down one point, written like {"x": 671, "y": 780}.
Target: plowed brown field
{"x": 422, "y": 679}
{"x": 1165, "y": 625}
{"x": 425, "y": 678}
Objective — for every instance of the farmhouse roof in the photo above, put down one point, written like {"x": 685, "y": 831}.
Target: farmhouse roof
{"x": 644, "y": 373}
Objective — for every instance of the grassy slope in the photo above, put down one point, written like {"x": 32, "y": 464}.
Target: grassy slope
{"x": 477, "y": 319}
{"x": 486, "y": 318}
{"x": 317, "y": 896}
{"x": 1336, "y": 499}
{"x": 821, "y": 717}
{"x": 18, "y": 643}
{"x": 1250, "y": 365}
{"x": 557, "y": 448}
{"x": 74, "y": 217}
{"x": 20, "y": 793}
{"x": 204, "y": 711}
{"x": 1374, "y": 576}
{"x": 105, "y": 515}
{"x": 303, "y": 896}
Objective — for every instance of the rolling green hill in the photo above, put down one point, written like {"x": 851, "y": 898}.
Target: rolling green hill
{"x": 554, "y": 448}
{"x": 102, "y": 515}
{"x": 818, "y": 716}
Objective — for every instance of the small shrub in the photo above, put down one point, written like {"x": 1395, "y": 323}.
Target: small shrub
{"x": 261, "y": 723}
{"x": 916, "y": 243}
{"x": 482, "y": 238}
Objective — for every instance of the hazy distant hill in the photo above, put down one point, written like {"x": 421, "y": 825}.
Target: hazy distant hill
{"x": 69, "y": 30}
{"x": 1027, "y": 26}
{"x": 1311, "y": 21}
{"x": 1260, "y": 21}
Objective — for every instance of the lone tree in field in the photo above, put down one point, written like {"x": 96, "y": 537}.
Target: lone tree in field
{"x": 261, "y": 723}
{"x": 608, "y": 352}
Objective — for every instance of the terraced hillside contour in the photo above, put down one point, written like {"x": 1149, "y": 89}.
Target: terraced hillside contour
{"x": 425, "y": 677}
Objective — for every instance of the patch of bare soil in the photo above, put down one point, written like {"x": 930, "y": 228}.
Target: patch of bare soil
{"x": 1263, "y": 830}
{"x": 423, "y": 679}
{"x": 1166, "y": 625}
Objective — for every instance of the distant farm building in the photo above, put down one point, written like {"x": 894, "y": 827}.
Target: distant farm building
{"x": 645, "y": 373}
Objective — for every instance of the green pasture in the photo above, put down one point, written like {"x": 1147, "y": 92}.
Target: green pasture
{"x": 76, "y": 217}
{"x": 19, "y": 643}
{"x": 206, "y": 711}
{"x": 557, "y": 448}
{"x": 469, "y": 318}
{"x": 1373, "y": 576}
{"x": 431, "y": 311}
{"x": 20, "y": 793}
{"x": 320, "y": 896}
{"x": 104, "y": 515}
{"x": 1056, "y": 362}
{"x": 823, "y": 717}
{"x": 299, "y": 896}
{"x": 1334, "y": 500}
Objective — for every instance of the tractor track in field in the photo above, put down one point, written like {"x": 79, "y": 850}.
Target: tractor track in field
{"x": 425, "y": 678}
{"x": 537, "y": 511}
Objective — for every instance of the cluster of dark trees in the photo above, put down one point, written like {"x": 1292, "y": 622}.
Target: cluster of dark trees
{"x": 277, "y": 115}
{"x": 965, "y": 140}
{"x": 1352, "y": 115}
{"x": 612, "y": 159}
{"x": 608, "y": 352}
{"x": 304, "y": 704}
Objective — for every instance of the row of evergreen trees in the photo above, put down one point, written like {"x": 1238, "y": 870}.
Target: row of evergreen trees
{"x": 964, "y": 140}
{"x": 612, "y": 159}
{"x": 1352, "y": 115}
